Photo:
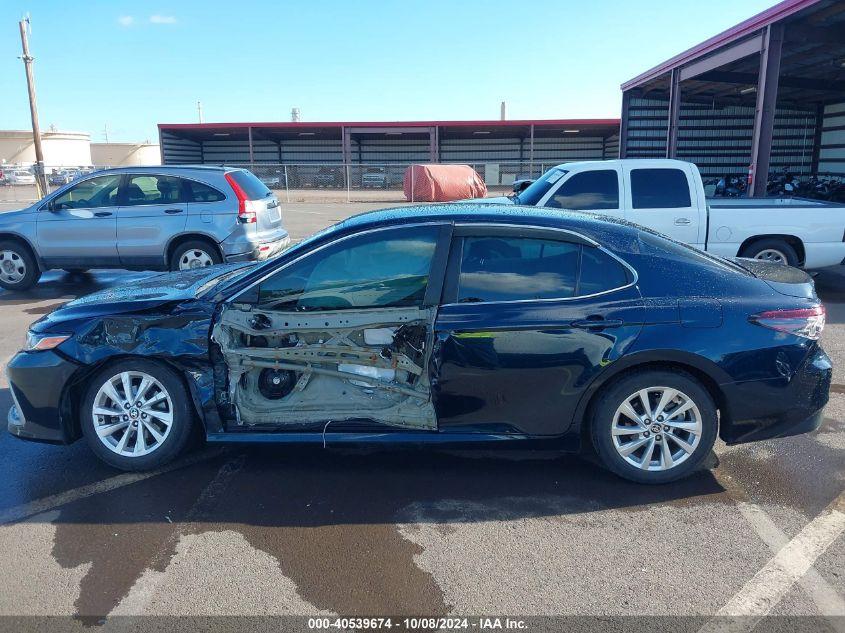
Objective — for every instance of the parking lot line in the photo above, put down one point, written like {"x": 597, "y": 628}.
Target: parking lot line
{"x": 771, "y": 583}
{"x": 44, "y": 504}
{"x": 826, "y": 598}
{"x": 137, "y": 601}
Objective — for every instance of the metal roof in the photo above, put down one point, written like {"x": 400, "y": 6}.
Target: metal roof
{"x": 769, "y": 16}
{"x": 391, "y": 124}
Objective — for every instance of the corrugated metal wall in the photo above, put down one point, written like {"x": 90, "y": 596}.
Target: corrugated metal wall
{"x": 380, "y": 150}
{"x": 832, "y": 147}
{"x": 718, "y": 138}
{"x": 179, "y": 151}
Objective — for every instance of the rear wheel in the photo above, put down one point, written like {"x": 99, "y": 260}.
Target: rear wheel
{"x": 654, "y": 426}
{"x": 18, "y": 269}
{"x": 194, "y": 254}
{"x": 773, "y": 250}
{"x": 136, "y": 414}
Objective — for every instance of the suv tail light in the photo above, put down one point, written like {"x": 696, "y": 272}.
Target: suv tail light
{"x": 246, "y": 209}
{"x": 804, "y": 322}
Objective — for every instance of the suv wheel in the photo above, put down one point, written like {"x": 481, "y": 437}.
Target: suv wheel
{"x": 194, "y": 254}
{"x": 18, "y": 269}
{"x": 654, "y": 426}
{"x": 136, "y": 414}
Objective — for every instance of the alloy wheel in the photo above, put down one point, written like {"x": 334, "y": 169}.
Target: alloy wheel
{"x": 195, "y": 258}
{"x": 656, "y": 428}
{"x": 12, "y": 267}
{"x": 133, "y": 414}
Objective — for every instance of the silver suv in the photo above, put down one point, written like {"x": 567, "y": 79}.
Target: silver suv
{"x": 142, "y": 218}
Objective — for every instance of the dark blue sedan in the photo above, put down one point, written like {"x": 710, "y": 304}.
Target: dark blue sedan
{"x": 444, "y": 325}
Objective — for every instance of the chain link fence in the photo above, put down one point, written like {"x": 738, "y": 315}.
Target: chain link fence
{"x": 372, "y": 182}
{"x": 300, "y": 183}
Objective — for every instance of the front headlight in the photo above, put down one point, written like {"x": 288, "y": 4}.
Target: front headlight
{"x": 36, "y": 342}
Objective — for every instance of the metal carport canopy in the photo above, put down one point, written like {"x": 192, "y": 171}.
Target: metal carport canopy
{"x": 792, "y": 53}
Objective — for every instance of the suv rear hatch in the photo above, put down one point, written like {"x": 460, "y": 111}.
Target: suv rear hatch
{"x": 258, "y": 207}
{"x": 783, "y": 279}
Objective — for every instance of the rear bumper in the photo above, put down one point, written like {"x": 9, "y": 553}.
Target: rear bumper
{"x": 37, "y": 382}
{"x": 765, "y": 409}
{"x": 259, "y": 250}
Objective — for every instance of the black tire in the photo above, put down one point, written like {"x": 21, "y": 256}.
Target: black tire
{"x": 186, "y": 248}
{"x": 20, "y": 257}
{"x": 614, "y": 395}
{"x": 182, "y": 416}
{"x": 771, "y": 244}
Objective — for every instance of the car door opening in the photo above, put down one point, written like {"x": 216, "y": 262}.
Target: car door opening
{"x": 292, "y": 370}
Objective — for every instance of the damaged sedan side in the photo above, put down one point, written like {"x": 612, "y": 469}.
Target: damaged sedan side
{"x": 450, "y": 325}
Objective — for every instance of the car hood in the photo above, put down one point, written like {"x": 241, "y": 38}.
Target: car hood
{"x": 10, "y": 217}
{"x": 150, "y": 293}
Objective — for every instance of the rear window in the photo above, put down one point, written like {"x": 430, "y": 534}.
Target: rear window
{"x": 516, "y": 269}
{"x": 600, "y": 272}
{"x": 249, "y": 182}
{"x": 200, "y": 192}
{"x": 659, "y": 189}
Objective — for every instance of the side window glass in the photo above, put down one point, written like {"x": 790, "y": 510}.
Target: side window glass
{"x": 589, "y": 190}
{"x": 151, "y": 189}
{"x": 91, "y": 193}
{"x": 513, "y": 269}
{"x": 201, "y": 192}
{"x": 659, "y": 189}
{"x": 378, "y": 270}
{"x": 600, "y": 272}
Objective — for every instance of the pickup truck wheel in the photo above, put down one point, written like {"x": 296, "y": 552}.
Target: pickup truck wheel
{"x": 771, "y": 250}
{"x": 654, "y": 426}
{"x": 18, "y": 269}
{"x": 194, "y": 254}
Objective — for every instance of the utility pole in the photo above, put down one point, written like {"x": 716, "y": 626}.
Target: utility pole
{"x": 199, "y": 111}
{"x": 40, "y": 179}
{"x": 106, "y": 131}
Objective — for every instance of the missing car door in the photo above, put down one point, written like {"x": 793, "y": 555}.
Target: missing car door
{"x": 342, "y": 334}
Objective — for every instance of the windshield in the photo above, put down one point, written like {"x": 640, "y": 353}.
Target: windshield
{"x": 537, "y": 189}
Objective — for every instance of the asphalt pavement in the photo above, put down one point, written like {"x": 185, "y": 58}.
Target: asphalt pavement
{"x": 273, "y": 531}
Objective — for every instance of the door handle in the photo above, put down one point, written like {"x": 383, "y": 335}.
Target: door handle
{"x": 682, "y": 221}
{"x": 596, "y": 323}
{"x": 102, "y": 214}
{"x": 172, "y": 211}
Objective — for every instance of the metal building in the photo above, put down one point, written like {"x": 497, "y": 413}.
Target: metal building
{"x": 503, "y": 149}
{"x": 765, "y": 95}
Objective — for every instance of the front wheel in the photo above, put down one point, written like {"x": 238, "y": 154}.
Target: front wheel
{"x": 136, "y": 414}
{"x": 654, "y": 426}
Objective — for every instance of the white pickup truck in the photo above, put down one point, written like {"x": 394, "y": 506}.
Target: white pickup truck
{"x": 668, "y": 196}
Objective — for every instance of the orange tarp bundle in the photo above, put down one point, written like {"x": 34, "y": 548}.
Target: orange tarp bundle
{"x": 442, "y": 183}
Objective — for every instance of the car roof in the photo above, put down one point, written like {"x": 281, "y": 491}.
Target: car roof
{"x": 618, "y": 162}
{"x": 173, "y": 168}
{"x": 589, "y": 224}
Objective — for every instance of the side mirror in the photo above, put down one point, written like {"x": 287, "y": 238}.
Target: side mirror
{"x": 521, "y": 185}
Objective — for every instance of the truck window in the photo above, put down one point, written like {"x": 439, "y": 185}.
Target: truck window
{"x": 659, "y": 189}
{"x": 588, "y": 191}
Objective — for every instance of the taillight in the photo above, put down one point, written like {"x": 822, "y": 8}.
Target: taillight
{"x": 804, "y": 322}
{"x": 246, "y": 212}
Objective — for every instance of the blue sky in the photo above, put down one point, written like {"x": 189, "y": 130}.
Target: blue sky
{"x": 130, "y": 65}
